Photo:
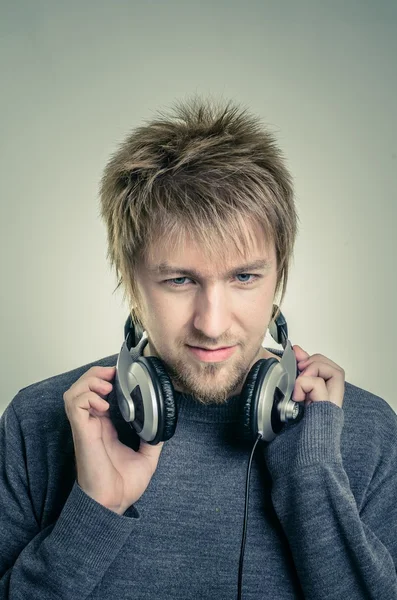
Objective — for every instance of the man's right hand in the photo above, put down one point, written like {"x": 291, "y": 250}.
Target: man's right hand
{"x": 108, "y": 471}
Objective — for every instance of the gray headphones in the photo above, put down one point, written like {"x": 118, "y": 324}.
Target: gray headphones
{"x": 145, "y": 394}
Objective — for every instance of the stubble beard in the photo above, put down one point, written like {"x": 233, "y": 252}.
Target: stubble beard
{"x": 206, "y": 383}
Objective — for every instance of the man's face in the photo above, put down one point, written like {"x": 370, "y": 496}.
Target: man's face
{"x": 212, "y": 309}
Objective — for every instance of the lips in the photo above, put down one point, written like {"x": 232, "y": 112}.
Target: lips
{"x": 211, "y": 349}
{"x": 212, "y": 355}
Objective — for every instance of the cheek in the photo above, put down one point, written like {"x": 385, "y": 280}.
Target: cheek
{"x": 165, "y": 319}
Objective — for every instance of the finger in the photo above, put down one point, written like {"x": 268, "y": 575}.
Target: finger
{"x": 85, "y": 414}
{"x": 327, "y": 370}
{"x": 319, "y": 358}
{"x": 105, "y": 374}
{"x": 334, "y": 379}
{"x": 151, "y": 454}
{"x": 310, "y": 388}
{"x": 91, "y": 403}
{"x": 300, "y": 353}
{"x": 90, "y": 384}
{"x": 150, "y": 451}
{"x": 320, "y": 369}
{"x": 102, "y": 372}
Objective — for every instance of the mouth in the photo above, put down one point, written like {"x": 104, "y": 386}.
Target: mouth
{"x": 211, "y": 349}
{"x": 217, "y": 355}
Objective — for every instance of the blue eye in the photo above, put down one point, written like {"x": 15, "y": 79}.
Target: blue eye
{"x": 176, "y": 279}
{"x": 245, "y": 275}
{"x": 171, "y": 283}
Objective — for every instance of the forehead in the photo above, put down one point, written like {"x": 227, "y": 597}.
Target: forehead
{"x": 212, "y": 255}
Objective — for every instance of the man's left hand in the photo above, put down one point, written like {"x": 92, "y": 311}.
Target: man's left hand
{"x": 320, "y": 379}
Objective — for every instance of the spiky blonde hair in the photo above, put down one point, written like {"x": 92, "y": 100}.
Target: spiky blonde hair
{"x": 201, "y": 170}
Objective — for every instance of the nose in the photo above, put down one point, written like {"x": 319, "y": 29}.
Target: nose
{"x": 213, "y": 314}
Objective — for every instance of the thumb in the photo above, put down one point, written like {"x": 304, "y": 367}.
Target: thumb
{"x": 300, "y": 353}
{"x": 151, "y": 452}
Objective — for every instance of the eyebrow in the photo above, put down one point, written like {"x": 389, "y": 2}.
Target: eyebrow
{"x": 166, "y": 269}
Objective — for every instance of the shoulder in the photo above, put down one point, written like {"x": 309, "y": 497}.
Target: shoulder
{"x": 43, "y": 400}
{"x": 365, "y": 412}
{"x": 369, "y": 435}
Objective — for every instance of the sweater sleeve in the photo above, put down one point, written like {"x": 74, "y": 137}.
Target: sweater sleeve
{"x": 340, "y": 549}
{"x": 65, "y": 560}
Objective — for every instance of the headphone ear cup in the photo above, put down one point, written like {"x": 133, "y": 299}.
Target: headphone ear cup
{"x": 247, "y": 393}
{"x": 251, "y": 395}
{"x": 166, "y": 406}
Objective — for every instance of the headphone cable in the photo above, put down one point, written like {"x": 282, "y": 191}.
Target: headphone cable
{"x": 240, "y": 569}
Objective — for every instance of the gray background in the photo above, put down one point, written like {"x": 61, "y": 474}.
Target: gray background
{"x": 77, "y": 76}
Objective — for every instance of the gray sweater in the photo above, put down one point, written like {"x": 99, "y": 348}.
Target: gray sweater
{"x": 322, "y": 517}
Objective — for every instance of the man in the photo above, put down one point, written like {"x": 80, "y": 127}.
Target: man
{"x": 201, "y": 226}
